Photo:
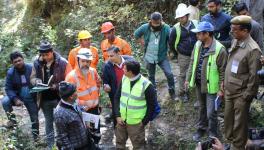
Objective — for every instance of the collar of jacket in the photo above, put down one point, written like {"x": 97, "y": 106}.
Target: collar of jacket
{"x": 211, "y": 50}
{"x": 66, "y": 106}
{"x": 239, "y": 44}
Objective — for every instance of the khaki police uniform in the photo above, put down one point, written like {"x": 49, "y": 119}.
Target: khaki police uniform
{"x": 241, "y": 85}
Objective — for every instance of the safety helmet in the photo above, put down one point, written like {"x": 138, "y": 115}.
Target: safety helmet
{"x": 85, "y": 53}
{"x": 203, "y": 26}
{"x": 107, "y": 26}
{"x": 84, "y": 34}
{"x": 45, "y": 46}
{"x": 181, "y": 10}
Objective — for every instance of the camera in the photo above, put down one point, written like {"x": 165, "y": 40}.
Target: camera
{"x": 207, "y": 144}
{"x": 256, "y": 134}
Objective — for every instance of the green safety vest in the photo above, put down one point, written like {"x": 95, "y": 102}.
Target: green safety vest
{"x": 133, "y": 105}
{"x": 212, "y": 74}
{"x": 177, "y": 26}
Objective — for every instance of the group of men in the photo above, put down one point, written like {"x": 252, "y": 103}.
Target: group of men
{"x": 218, "y": 64}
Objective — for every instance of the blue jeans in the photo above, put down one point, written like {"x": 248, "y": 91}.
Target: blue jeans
{"x": 47, "y": 107}
{"x": 165, "y": 66}
{"x": 31, "y": 106}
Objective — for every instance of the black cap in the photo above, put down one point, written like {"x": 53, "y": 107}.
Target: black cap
{"x": 66, "y": 89}
{"x": 156, "y": 16}
{"x": 45, "y": 46}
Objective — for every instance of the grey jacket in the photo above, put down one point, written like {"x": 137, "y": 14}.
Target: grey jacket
{"x": 220, "y": 62}
{"x": 257, "y": 34}
{"x": 256, "y": 9}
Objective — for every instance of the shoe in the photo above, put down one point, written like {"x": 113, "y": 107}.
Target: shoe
{"x": 196, "y": 104}
{"x": 172, "y": 94}
{"x": 198, "y": 134}
{"x": 185, "y": 98}
{"x": 227, "y": 146}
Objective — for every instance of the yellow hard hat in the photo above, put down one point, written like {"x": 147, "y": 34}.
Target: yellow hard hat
{"x": 84, "y": 34}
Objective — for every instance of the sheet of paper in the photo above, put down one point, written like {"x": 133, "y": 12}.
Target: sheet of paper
{"x": 234, "y": 66}
{"x": 91, "y": 118}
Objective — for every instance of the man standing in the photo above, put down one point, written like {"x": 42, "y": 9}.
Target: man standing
{"x": 84, "y": 38}
{"x": 17, "y": 89}
{"x": 182, "y": 40}
{"x": 256, "y": 9}
{"x": 206, "y": 72}
{"x": 88, "y": 83}
{"x": 48, "y": 65}
{"x": 110, "y": 39}
{"x": 113, "y": 72}
{"x": 241, "y": 81}
{"x": 71, "y": 132}
{"x": 134, "y": 106}
{"x": 256, "y": 30}
{"x": 220, "y": 21}
{"x": 194, "y": 10}
{"x": 155, "y": 43}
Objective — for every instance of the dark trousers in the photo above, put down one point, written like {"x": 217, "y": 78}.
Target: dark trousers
{"x": 207, "y": 113}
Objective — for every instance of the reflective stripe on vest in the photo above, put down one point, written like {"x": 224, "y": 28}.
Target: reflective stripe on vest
{"x": 86, "y": 97}
{"x": 133, "y": 104}
{"x": 212, "y": 74}
{"x": 177, "y": 26}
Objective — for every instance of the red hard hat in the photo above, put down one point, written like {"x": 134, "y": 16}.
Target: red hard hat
{"x": 107, "y": 26}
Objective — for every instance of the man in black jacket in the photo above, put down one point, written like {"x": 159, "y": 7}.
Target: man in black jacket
{"x": 182, "y": 40}
{"x": 134, "y": 106}
{"x": 113, "y": 72}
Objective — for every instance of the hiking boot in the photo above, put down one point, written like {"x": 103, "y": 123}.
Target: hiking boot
{"x": 172, "y": 94}
{"x": 196, "y": 104}
{"x": 185, "y": 98}
{"x": 198, "y": 134}
{"x": 227, "y": 146}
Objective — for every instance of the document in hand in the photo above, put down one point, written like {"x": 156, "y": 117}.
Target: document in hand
{"x": 41, "y": 87}
{"x": 217, "y": 103}
{"x": 91, "y": 118}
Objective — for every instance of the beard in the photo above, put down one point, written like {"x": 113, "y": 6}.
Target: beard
{"x": 156, "y": 28}
{"x": 84, "y": 69}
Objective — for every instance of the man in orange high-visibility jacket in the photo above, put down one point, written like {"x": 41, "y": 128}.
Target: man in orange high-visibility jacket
{"x": 84, "y": 38}
{"x": 111, "y": 40}
{"x": 87, "y": 82}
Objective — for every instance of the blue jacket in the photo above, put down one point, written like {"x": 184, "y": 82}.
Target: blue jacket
{"x": 13, "y": 81}
{"x": 109, "y": 76}
{"x": 221, "y": 24}
{"x": 187, "y": 40}
{"x": 145, "y": 31}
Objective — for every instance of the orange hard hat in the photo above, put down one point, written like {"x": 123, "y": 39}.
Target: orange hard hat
{"x": 107, "y": 26}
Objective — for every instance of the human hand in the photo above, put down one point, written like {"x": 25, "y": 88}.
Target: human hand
{"x": 217, "y": 145}
{"x": 107, "y": 88}
{"x": 120, "y": 121}
{"x": 186, "y": 85}
{"x": 18, "y": 102}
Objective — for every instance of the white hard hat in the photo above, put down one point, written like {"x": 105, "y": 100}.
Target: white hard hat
{"x": 85, "y": 53}
{"x": 181, "y": 10}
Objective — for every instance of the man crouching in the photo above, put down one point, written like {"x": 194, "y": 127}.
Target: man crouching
{"x": 71, "y": 132}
